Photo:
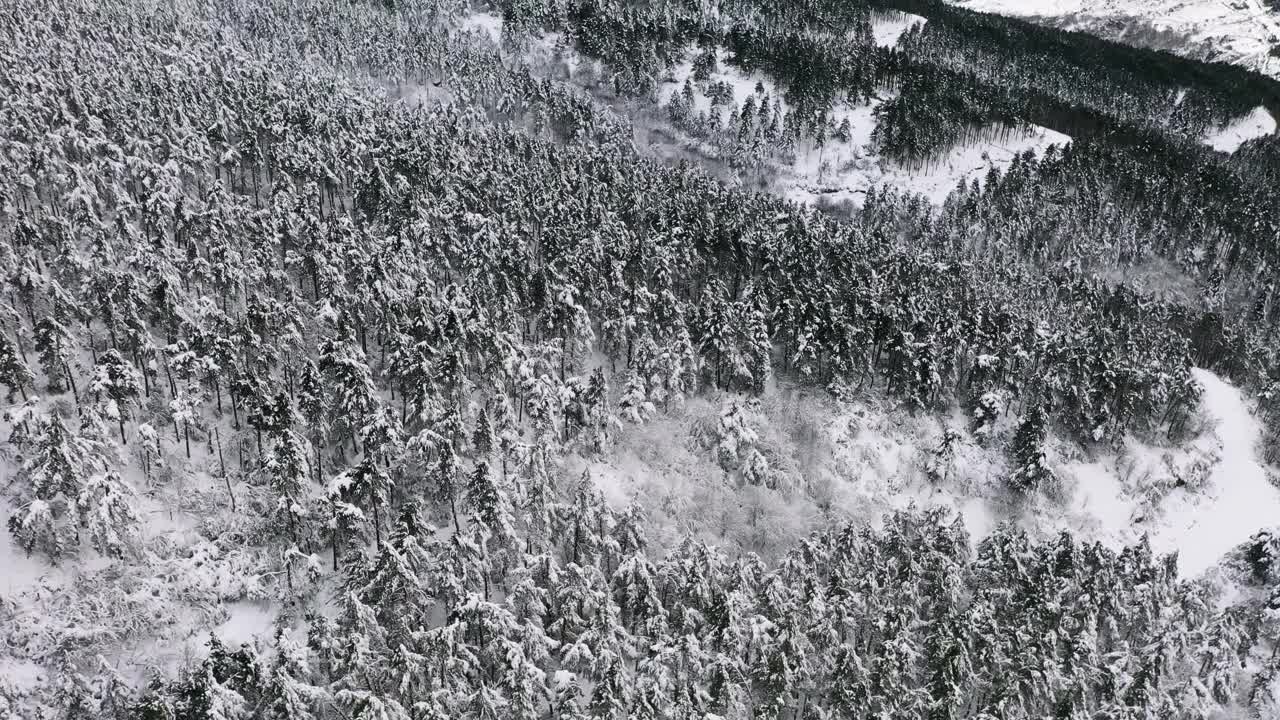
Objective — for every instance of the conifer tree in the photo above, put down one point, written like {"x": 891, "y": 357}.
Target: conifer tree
{"x": 286, "y": 693}
{"x": 106, "y": 510}
{"x": 635, "y": 405}
{"x": 14, "y": 373}
{"x": 943, "y": 456}
{"x": 55, "y": 476}
{"x": 116, "y": 380}
{"x": 287, "y": 471}
{"x": 482, "y": 436}
{"x": 54, "y": 345}
{"x": 1030, "y": 465}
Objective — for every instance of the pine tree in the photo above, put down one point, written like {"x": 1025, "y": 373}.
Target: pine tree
{"x": 14, "y": 373}
{"x": 735, "y": 441}
{"x": 347, "y": 521}
{"x": 155, "y": 703}
{"x": 396, "y": 585}
{"x": 635, "y": 405}
{"x": 54, "y": 346}
{"x": 611, "y": 698}
{"x": 482, "y": 435}
{"x": 287, "y": 472}
{"x": 286, "y": 693}
{"x": 366, "y": 705}
{"x": 705, "y": 65}
{"x": 55, "y": 475}
{"x": 943, "y": 456}
{"x": 986, "y": 412}
{"x": 444, "y": 483}
{"x": 354, "y": 402}
{"x": 371, "y": 484}
{"x": 311, "y": 396}
{"x": 755, "y": 468}
{"x": 105, "y": 507}
{"x": 1030, "y": 464}
{"x": 223, "y": 687}
{"x": 38, "y": 526}
{"x": 489, "y": 504}
{"x": 116, "y": 379}
{"x": 313, "y": 407}
{"x": 597, "y": 418}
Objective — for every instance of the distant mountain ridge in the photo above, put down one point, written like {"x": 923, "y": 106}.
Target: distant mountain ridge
{"x": 1243, "y": 32}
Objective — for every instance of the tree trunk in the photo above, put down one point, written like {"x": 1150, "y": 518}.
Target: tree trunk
{"x": 217, "y": 436}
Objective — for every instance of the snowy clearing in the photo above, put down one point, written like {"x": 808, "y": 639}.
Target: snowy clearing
{"x": 1228, "y": 139}
{"x": 484, "y": 22}
{"x": 1239, "y": 501}
{"x": 1199, "y": 501}
{"x": 863, "y": 459}
{"x": 847, "y": 171}
{"x": 888, "y": 30}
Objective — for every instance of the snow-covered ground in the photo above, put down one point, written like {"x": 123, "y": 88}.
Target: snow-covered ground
{"x": 484, "y": 22}
{"x": 837, "y": 170}
{"x": 1238, "y": 31}
{"x": 1238, "y": 500}
{"x": 857, "y": 460}
{"x": 847, "y": 172}
{"x": 840, "y": 170}
{"x": 887, "y": 30}
{"x": 1228, "y": 139}
{"x": 1200, "y": 500}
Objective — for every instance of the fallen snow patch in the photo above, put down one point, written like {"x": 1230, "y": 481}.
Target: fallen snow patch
{"x": 888, "y": 30}
{"x": 246, "y": 623}
{"x": 845, "y": 168}
{"x": 847, "y": 171}
{"x": 1200, "y": 501}
{"x": 486, "y": 23}
{"x": 1239, "y": 500}
{"x": 1228, "y": 139}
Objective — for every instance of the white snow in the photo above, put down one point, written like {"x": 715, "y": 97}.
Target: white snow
{"x": 1159, "y": 492}
{"x": 1228, "y": 139}
{"x": 1239, "y": 31}
{"x": 246, "y": 622}
{"x": 887, "y": 30}
{"x": 841, "y": 171}
{"x": 484, "y": 22}
{"x": 847, "y": 171}
{"x": 1239, "y": 500}
{"x": 861, "y": 459}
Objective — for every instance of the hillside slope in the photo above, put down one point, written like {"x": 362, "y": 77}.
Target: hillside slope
{"x": 1244, "y": 32}
{"x": 422, "y": 360}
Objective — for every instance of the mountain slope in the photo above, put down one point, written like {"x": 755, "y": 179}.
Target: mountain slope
{"x": 375, "y": 361}
{"x": 1244, "y": 32}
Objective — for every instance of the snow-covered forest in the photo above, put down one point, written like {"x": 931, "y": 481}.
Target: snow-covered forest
{"x": 760, "y": 359}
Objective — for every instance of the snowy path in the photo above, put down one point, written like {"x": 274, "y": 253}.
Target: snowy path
{"x": 1239, "y": 501}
